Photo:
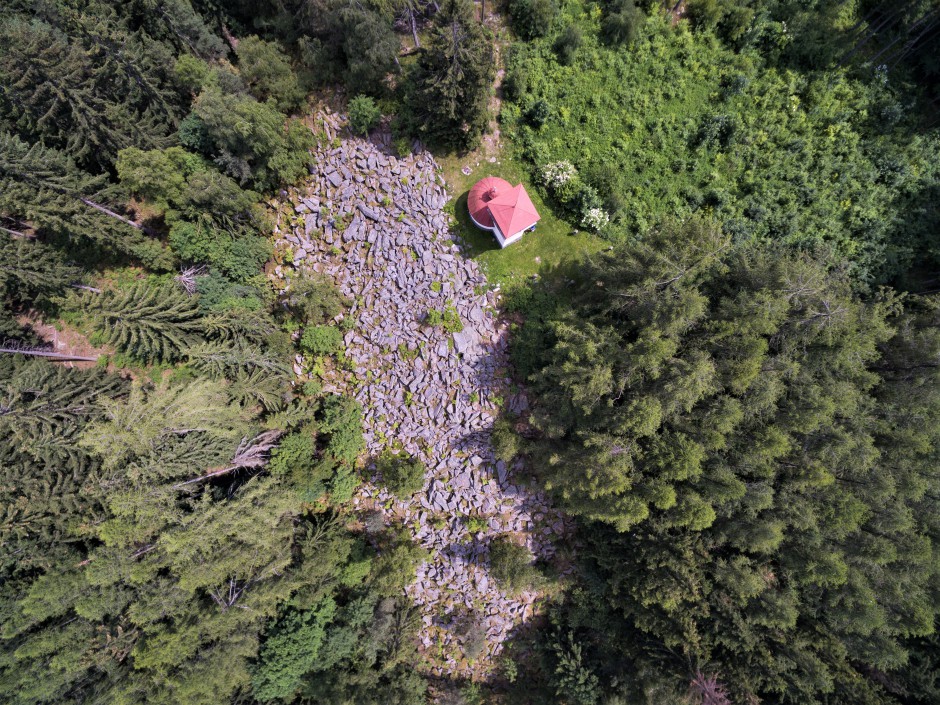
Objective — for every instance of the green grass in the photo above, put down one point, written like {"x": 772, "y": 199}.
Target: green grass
{"x": 552, "y": 242}
{"x": 678, "y": 124}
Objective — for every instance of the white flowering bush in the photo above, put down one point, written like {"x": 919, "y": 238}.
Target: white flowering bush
{"x": 557, "y": 174}
{"x": 595, "y": 218}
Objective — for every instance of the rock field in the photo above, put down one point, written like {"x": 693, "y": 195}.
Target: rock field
{"x": 375, "y": 224}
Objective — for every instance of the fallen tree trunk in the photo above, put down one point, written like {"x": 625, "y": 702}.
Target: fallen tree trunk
{"x": 51, "y": 355}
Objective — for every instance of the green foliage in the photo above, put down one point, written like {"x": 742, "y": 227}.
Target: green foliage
{"x": 567, "y": 44}
{"x": 43, "y": 189}
{"x": 342, "y": 421}
{"x": 395, "y": 566}
{"x": 43, "y": 468}
{"x": 368, "y": 50}
{"x": 191, "y": 72}
{"x": 291, "y": 650}
{"x": 506, "y": 442}
{"x": 236, "y": 254}
{"x": 476, "y": 525}
{"x": 538, "y": 113}
{"x": 31, "y": 272}
{"x": 150, "y": 419}
{"x": 363, "y": 114}
{"x": 725, "y": 422}
{"x": 149, "y": 321}
{"x": 402, "y": 475}
{"x": 622, "y": 22}
{"x": 267, "y": 71}
{"x": 212, "y": 220}
{"x": 156, "y": 540}
{"x": 532, "y": 18}
{"x": 448, "y": 92}
{"x": 295, "y": 453}
{"x": 313, "y": 298}
{"x": 446, "y": 318}
{"x": 250, "y": 140}
{"x": 91, "y": 91}
{"x": 680, "y": 124}
{"x": 321, "y": 340}
{"x": 511, "y": 565}
{"x": 158, "y": 175}
{"x": 573, "y": 679}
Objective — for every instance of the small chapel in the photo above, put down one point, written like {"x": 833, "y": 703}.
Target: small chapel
{"x": 504, "y": 210}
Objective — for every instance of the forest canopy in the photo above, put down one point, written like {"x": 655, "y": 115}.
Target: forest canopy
{"x": 734, "y": 399}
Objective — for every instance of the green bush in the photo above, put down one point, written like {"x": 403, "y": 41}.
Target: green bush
{"x": 538, "y": 114}
{"x": 267, "y": 71}
{"x": 532, "y": 18}
{"x": 295, "y": 454}
{"x": 364, "y": 114}
{"x": 623, "y": 22}
{"x": 567, "y": 44}
{"x": 190, "y": 72}
{"x": 446, "y": 318}
{"x": 506, "y": 442}
{"x": 238, "y": 255}
{"x": 342, "y": 423}
{"x": 511, "y": 565}
{"x": 475, "y": 525}
{"x": 402, "y": 475}
{"x": 321, "y": 340}
{"x": 314, "y": 298}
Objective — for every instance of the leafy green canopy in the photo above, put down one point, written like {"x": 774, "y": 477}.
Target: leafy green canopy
{"x": 680, "y": 123}
{"x": 267, "y": 71}
{"x": 212, "y": 220}
{"x": 758, "y": 446}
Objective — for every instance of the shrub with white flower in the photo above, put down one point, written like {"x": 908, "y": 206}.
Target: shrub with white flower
{"x": 595, "y": 218}
{"x": 557, "y": 174}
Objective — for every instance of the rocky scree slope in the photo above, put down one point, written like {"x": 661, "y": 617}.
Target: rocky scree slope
{"x": 375, "y": 224}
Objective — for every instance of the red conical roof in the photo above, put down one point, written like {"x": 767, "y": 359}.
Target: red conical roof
{"x": 513, "y": 211}
{"x": 481, "y": 195}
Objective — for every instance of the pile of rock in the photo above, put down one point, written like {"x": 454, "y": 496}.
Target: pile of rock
{"x": 375, "y": 224}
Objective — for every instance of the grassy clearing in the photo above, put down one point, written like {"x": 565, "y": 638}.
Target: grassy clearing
{"x": 552, "y": 242}
{"x": 678, "y": 124}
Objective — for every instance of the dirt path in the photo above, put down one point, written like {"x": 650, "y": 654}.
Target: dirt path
{"x": 430, "y": 393}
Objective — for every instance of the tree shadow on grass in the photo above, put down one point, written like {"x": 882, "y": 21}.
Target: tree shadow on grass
{"x": 477, "y": 240}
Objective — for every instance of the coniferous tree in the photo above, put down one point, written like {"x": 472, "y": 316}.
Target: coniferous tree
{"x": 177, "y": 23}
{"x": 30, "y": 269}
{"x": 449, "y": 92}
{"x": 752, "y": 447}
{"x": 42, "y": 188}
{"x": 90, "y": 93}
{"x": 44, "y": 473}
{"x": 151, "y": 322}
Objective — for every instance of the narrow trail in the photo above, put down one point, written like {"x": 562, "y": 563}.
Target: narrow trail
{"x": 432, "y": 394}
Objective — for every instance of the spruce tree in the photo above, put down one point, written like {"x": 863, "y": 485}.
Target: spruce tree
{"x": 450, "y": 88}
{"x": 146, "y": 320}
{"x": 750, "y": 446}
{"x": 30, "y": 269}
{"x": 91, "y": 92}
{"x": 41, "y": 188}
{"x": 44, "y": 474}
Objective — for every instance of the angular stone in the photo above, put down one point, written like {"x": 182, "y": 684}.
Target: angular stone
{"x": 367, "y": 212}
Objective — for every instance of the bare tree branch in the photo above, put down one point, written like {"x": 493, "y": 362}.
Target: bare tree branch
{"x": 250, "y": 454}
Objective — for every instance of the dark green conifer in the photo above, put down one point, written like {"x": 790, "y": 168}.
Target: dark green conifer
{"x": 148, "y": 321}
